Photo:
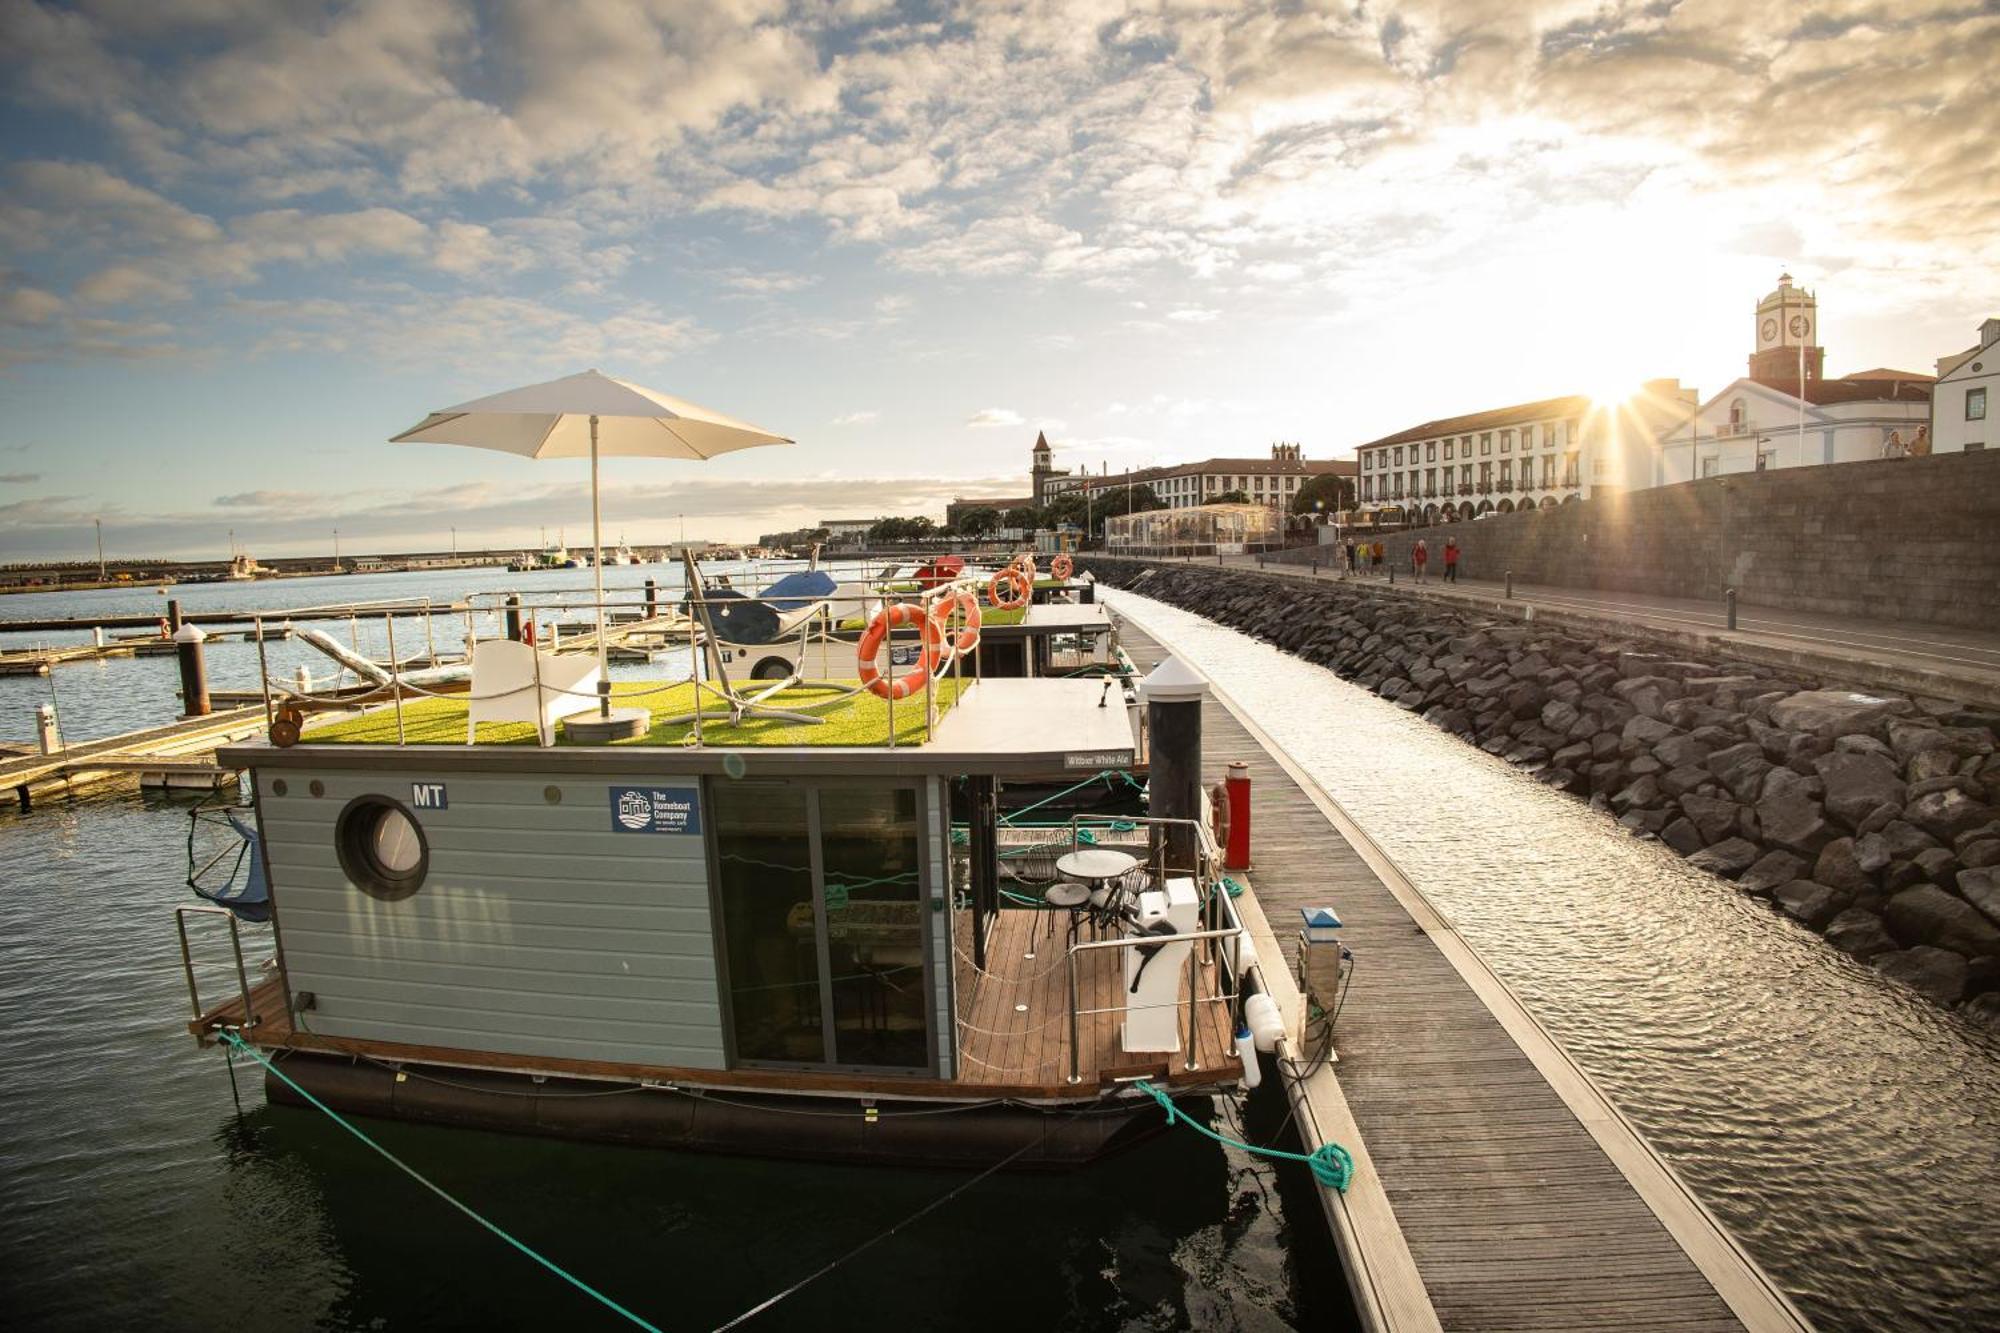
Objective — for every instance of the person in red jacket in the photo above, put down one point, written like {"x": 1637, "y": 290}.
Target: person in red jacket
{"x": 1451, "y": 559}
{"x": 1420, "y": 556}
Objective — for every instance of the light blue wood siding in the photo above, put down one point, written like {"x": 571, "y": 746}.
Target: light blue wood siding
{"x": 538, "y": 930}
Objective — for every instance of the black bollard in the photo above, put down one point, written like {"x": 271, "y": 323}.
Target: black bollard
{"x": 1392, "y": 574}
{"x": 1173, "y": 695}
{"x": 194, "y": 671}
{"x": 1729, "y": 605}
{"x": 1510, "y": 585}
{"x": 514, "y": 616}
{"x": 652, "y": 599}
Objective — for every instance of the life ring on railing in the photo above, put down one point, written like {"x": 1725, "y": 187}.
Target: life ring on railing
{"x": 528, "y": 632}
{"x": 929, "y": 653}
{"x": 1218, "y": 813}
{"x": 997, "y": 591}
{"x": 965, "y": 603}
{"x": 1062, "y": 566}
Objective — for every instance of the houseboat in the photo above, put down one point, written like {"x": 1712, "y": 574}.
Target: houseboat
{"x": 791, "y": 923}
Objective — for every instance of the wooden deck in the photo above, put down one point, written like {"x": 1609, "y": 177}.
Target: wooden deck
{"x": 1522, "y": 1196}
{"x": 1013, "y": 1019}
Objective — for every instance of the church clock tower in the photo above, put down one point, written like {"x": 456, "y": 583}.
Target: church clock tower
{"x": 1787, "y": 326}
{"x": 1044, "y": 468}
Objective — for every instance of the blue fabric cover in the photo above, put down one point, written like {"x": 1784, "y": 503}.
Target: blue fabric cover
{"x": 250, "y": 896}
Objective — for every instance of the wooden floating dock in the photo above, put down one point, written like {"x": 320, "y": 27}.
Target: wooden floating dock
{"x": 39, "y": 661}
{"x": 1495, "y": 1185}
{"x": 181, "y": 754}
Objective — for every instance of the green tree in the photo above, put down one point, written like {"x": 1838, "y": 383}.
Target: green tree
{"x": 980, "y": 521}
{"x": 1026, "y": 517}
{"x": 1325, "y": 493}
{"x": 1230, "y": 498}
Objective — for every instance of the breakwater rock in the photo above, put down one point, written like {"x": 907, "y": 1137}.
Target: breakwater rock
{"x": 1869, "y": 818}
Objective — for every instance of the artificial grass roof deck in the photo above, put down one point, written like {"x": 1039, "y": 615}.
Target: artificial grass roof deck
{"x": 861, "y": 720}
{"x": 988, "y": 615}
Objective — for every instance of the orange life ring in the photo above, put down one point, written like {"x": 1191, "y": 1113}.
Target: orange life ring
{"x": 1009, "y": 578}
{"x": 928, "y": 656}
{"x": 1062, "y": 566}
{"x": 967, "y": 606}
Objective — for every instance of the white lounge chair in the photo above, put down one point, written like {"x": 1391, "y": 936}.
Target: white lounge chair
{"x": 504, "y": 676}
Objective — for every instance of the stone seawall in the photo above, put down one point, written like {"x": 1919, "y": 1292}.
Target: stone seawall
{"x": 1896, "y": 539}
{"x": 1866, "y": 817}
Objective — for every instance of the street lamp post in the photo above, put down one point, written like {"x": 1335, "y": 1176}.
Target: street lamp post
{"x": 336, "y": 550}
{"x": 100, "y": 548}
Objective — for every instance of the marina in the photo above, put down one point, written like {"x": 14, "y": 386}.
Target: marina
{"x": 1292, "y": 830}
{"x": 1080, "y": 772}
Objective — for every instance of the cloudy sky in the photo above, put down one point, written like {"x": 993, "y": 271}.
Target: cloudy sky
{"x": 242, "y": 243}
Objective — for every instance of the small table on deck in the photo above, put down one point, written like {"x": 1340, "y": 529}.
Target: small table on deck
{"x": 1097, "y": 867}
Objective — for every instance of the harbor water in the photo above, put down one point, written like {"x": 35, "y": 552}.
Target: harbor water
{"x": 137, "y": 1196}
{"x": 1842, "y": 1127}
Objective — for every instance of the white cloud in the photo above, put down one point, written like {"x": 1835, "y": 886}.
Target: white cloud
{"x": 857, "y": 418}
{"x": 995, "y": 416}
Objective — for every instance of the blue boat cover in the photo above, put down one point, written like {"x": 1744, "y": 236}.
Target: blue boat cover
{"x": 801, "y": 589}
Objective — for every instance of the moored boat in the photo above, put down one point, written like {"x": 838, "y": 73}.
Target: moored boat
{"x": 793, "y": 922}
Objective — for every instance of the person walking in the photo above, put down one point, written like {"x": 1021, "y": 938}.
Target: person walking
{"x": 1420, "y": 556}
{"x": 1350, "y": 558}
{"x": 1451, "y": 559}
{"x": 1375, "y": 558}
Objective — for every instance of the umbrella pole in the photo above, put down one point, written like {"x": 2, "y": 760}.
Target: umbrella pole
{"x": 597, "y": 577}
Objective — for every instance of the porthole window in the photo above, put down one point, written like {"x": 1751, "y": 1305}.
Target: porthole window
{"x": 382, "y": 848}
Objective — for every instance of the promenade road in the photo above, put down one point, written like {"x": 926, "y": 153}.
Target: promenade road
{"x": 1937, "y": 660}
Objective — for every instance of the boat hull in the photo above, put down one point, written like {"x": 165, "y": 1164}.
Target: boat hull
{"x": 969, "y": 1135}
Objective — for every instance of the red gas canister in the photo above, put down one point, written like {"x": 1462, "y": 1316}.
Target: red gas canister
{"x": 1236, "y": 854}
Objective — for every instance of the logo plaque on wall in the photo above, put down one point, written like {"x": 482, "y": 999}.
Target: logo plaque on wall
{"x": 655, "y": 810}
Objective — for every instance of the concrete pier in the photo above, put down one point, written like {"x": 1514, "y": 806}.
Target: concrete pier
{"x": 1495, "y": 1187}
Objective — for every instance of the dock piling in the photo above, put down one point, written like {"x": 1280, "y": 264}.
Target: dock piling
{"x": 194, "y": 668}
{"x": 1173, "y": 695}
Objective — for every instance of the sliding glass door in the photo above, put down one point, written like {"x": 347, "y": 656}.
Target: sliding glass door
{"x": 822, "y": 901}
{"x": 764, "y": 881}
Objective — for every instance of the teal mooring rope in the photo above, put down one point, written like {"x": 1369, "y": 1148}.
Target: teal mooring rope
{"x": 238, "y": 1043}
{"x": 1330, "y": 1163}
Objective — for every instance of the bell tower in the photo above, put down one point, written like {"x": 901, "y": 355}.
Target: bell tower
{"x": 1043, "y": 469}
{"x": 1787, "y": 331}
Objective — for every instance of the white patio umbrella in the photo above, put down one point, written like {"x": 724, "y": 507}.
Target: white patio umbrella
{"x": 587, "y": 415}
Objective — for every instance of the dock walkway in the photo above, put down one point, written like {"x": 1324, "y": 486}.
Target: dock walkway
{"x": 186, "y": 747}
{"x": 1497, "y": 1188}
